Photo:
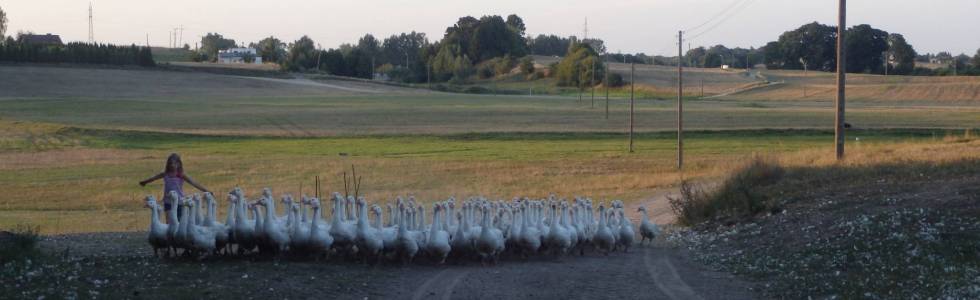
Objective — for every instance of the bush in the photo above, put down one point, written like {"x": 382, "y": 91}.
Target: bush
{"x": 504, "y": 65}
{"x": 615, "y": 80}
{"x": 527, "y": 65}
{"x": 484, "y": 71}
{"x": 19, "y": 244}
{"x": 738, "y": 196}
{"x": 537, "y": 75}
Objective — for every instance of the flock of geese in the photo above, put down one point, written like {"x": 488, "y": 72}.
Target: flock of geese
{"x": 470, "y": 229}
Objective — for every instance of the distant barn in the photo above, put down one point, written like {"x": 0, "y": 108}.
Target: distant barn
{"x": 40, "y": 39}
{"x": 239, "y": 55}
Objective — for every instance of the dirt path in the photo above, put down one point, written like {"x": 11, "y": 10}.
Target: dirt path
{"x": 649, "y": 272}
{"x": 307, "y": 82}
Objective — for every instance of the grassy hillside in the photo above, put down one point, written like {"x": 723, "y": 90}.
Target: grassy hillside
{"x": 899, "y": 223}
{"x": 58, "y": 176}
{"x": 821, "y": 86}
{"x": 166, "y": 54}
{"x": 75, "y": 141}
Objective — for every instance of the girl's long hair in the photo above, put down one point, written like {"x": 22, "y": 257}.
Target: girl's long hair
{"x": 169, "y": 169}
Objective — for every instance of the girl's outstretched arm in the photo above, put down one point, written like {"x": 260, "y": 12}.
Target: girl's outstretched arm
{"x": 151, "y": 179}
{"x": 198, "y": 186}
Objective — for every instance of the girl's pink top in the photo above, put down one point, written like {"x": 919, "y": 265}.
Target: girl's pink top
{"x": 172, "y": 183}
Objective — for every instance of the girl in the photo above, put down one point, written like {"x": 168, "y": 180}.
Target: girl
{"x": 173, "y": 180}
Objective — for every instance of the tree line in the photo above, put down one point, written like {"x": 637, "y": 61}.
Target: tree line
{"x": 471, "y": 48}
{"x": 21, "y": 50}
{"x": 82, "y": 53}
{"x": 813, "y": 46}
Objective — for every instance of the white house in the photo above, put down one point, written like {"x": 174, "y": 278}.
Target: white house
{"x": 238, "y": 55}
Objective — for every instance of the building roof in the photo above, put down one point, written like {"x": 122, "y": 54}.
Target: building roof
{"x": 236, "y": 52}
{"x": 50, "y": 39}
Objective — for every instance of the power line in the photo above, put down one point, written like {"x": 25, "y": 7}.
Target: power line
{"x": 725, "y": 18}
{"x": 712, "y": 18}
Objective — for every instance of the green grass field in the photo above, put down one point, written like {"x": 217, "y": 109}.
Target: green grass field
{"x": 70, "y": 159}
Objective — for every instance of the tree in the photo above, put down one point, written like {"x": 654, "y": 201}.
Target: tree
{"x": 813, "y": 44}
{"x": 944, "y": 57}
{"x": 551, "y": 45}
{"x": 976, "y": 60}
{"x": 403, "y": 49}
{"x": 3, "y": 24}
{"x": 301, "y": 56}
{"x": 902, "y": 54}
{"x": 270, "y": 49}
{"x": 577, "y": 68}
{"x": 516, "y": 24}
{"x": 486, "y": 38}
{"x": 212, "y": 43}
{"x": 865, "y": 46}
{"x": 598, "y": 45}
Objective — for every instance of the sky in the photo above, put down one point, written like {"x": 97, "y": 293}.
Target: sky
{"x": 628, "y": 26}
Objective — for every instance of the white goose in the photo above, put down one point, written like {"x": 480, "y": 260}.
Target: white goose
{"x": 626, "y": 233}
{"x": 320, "y": 239}
{"x": 530, "y": 236}
{"x": 202, "y": 239}
{"x": 490, "y": 241}
{"x": 342, "y": 232}
{"x": 220, "y": 230}
{"x": 438, "y": 242}
{"x": 604, "y": 239}
{"x": 388, "y": 234}
{"x": 648, "y": 230}
{"x": 299, "y": 231}
{"x": 157, "y": 235}
{"x": 559, "y": 240}
{"x": 243, "y": 229}
{"x": 275, "y": 231}
{"x": 368, "y": 239}
{"x": 406, "y": 245}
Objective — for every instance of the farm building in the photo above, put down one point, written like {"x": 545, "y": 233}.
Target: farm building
{"x": 40, "y": 39}
{"x": 239, "y": 55}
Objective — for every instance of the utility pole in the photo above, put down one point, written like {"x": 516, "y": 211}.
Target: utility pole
{"x": 180, "y": 39}
{"x": 428, "y": 76}
{"x": 702, "y": 87}
{"x": 592, "y": 83}
{"x": 606, "y": 84}
{"x": 841, "y": 79}
{"x": 680, "y": 97}
{"x": 91, "y": 25}
{"x": 804, "y": 78}
{"x": 632, "y": 70}
{"x": 318, "y": 55}
{"x": 885, "y": 56}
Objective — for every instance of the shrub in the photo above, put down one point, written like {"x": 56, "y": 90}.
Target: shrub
{"x": 527, "y": 65}
{"x": 615, "y": 80}
{"x": 504, "y": 65}
{"x": 19, "y": 244}
{"x": 484, "y": 71}
{"x": 738, "y": 196}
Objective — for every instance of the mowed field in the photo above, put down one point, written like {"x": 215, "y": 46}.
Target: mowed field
{"x": 821, "y": 86}
{"x": 74, "y": 142}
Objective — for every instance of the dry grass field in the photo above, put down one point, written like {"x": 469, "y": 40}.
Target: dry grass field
{"x": 74, "y": 142}
{"x": 820, "y": 86}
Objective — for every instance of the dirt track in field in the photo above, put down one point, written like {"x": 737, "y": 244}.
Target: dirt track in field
{"x": 652, "y": 271}
{"x": 648, "y": 272}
